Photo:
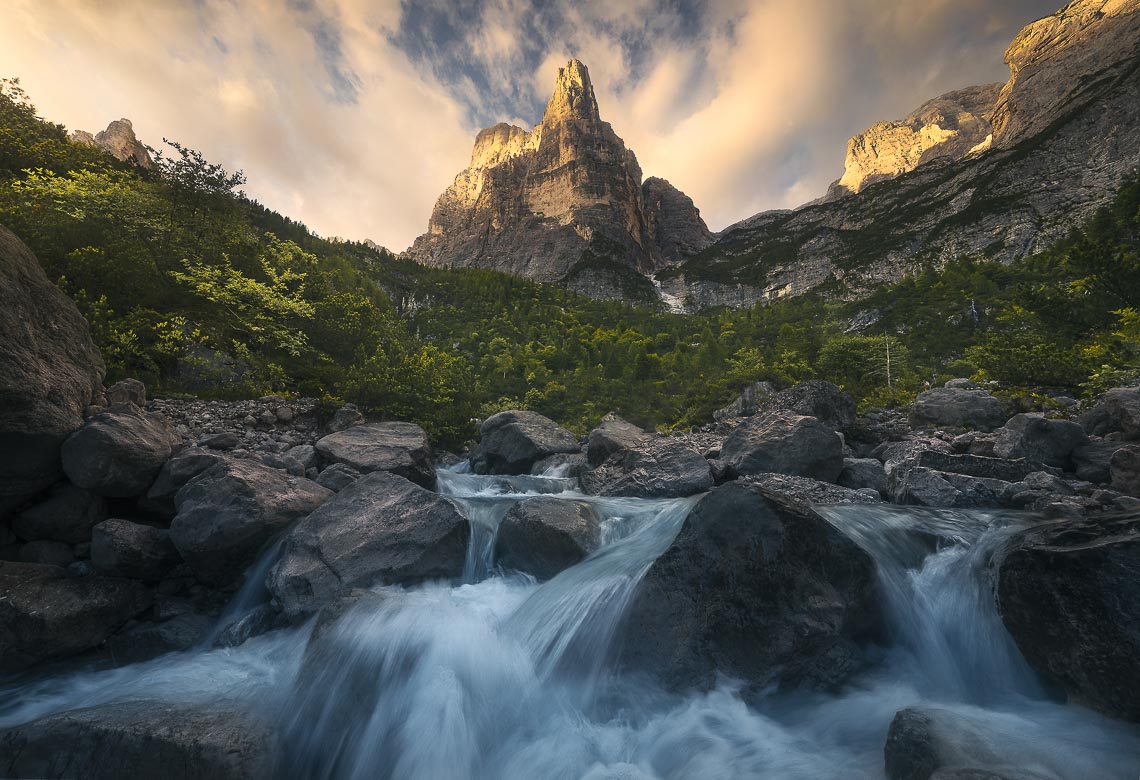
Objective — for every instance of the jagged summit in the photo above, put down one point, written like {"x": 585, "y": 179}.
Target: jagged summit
{"x": 563, "y": 203}
{"x": 119, "y": 141}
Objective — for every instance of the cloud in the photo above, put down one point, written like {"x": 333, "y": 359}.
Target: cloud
{"x": 353, "y": 116}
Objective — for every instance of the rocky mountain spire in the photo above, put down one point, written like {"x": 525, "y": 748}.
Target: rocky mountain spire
{"x": 119, "y": 141}
{"x": 573, "y": 96}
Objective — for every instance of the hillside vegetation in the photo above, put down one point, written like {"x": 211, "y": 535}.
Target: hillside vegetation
{"x": 195, "y": 288}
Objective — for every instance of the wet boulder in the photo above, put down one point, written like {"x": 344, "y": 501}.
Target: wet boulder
{"x": 755, "y": 590}
{"x": 150, "y": 640}
{"x": 141, "y": 738}
{"x": 512, "y": 442}
{"x": 65, "y": 514}
{"x": 925, "y": 743}
{"x": 380, "y": 529}
{"x": 956, "y": 407}
{"x": 814, "y": 398}
{"x": 1117, "y": 411}
{"x": 140, "y": 552}
{"x": 1040, "y": 440}
{"x": 229, "y": 512}
{"x": 50, "y": 371}
{"x": 562, "y": 464}
{"x": 784, "y": 443}
{"x": 398, "y": 447}
{"x": 46, "y": 614}
{"x": 655, "y": 468}
{"x": 542, "y": 536}
{"x": 1067, "y": 594}
{"x": 613, "y": 435}
{"x": 119, "y": 451}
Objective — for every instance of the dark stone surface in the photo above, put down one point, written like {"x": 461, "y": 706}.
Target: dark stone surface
{"x": 655, "y": 468}
{"x": 1040, "y": 440}
{"x": 612, "y": 435}
{"x": 119, "y": 451}
{"x": 814, "y": 398}
{"x": 399, "y": 447}
{"x": 121, "y": 548}
{"x": 784, "y": 443}
{"x": 65, "y": 514}
{"x": 542, "y": 536}
{"x": 950, "y": 407}
{"x": 512, "y": 442}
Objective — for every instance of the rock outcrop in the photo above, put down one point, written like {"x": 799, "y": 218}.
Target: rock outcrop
{"x": 542, "y": 536}
{"x": 563, "y": 202}
{"x": 119, "y": 141}
{"x": 512, "y": 442}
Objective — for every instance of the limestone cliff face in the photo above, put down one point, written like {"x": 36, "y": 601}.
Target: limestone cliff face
{"x": 951, "y": 125}
{"x": 1065, "y": 132}
{"x": 563, "y": 202}
{"x": 119, "y": 141}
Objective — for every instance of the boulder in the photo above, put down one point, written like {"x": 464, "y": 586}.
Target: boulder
{"x": 220, "y": 441}
{"x": 141, "y": 738}
{"x": 800, "y": 493}
{"x": 65, "y": 514}
{"x": 43, "y": 551}
{"x": 1067, "y": 594}
{"x": 753, "y": 590}
{"x": 612, "y": 435}
{"x": 337, "y": 477}
{"x": 172, "y": 477}
{"x": 126, "y": 391}
{"x": 512, "y": 442}
{"x": 1117, "y": 411}
{"x": 150, "y": 640}
{"x": 895, "y": 453}
{"x": 230, "y": 511}
{"x": 380, "y": 529}
{"x": 119, "y": 451}
{"x": 921, "y": 742}
{"x": 259, "y": 620}
{"x": 50, "y": 371}
{"x": 1124, "y": 468}
{"x": 398, "y": 447}
{"x": 344, "y": 418}
{"x": 955, "y": 407}
{"x": 928, "y": 487}
{"x": 1040, "y": 440}
{"x": 747, "y": 403}
{"x": 45, "y": 614}
{"x": 133, "y": 550}
{"x": 814, "y": 398}
{"x": 542, "y": 536}
{"x": 863, "y": 473}
{"x": 784, "y": 443}
{"x": 1008, "y": 470}
{"x": 655, "y": 468}
{"x": 567, "y": 465}
{"x": 1091, "y": 460}
{"x": 305, "y": 454}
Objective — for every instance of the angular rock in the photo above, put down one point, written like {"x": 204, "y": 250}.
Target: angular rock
{"x": 656, "y": 468}
{"x": 337, "y": 477}
{"x": 305, "y": 454}
{"x": 1040, "y": 440}
{"x": 150, "y": 640}
{"x": 512, "y": 442}
{"x": 50, "y": 371}
{"x": 950, "y": 407}
{"x": 922, "y": 741}
{"x": 66, "y": 514}
{"x": 800, "y": 493}
{"x": 141, "y": 738}
{"x": 344, "y": 418}
{"x": 1117, "y": 411}
{"x": 612, "y": 435}
{"x": 1067, "y": 594}
{"x": 121, "y": 548}
{"x": 172, "y": 477}
{"x": 752, "y": 590}
{"x": 563, "y": 465}
{"x": 783, "y": 443}
{"x": 45, "y": 614}
{"x": 127, "y": 391}
{"x": 927, "y": 487}
{"x": 814, "y": 398}
{"x": 119, "y": 451}
{"x": 1125, "y": 470}
{"x": 399, "y": 447}
{"x": 220, "y": 441}
{"x": 261, "y": 619}
{"x": 1009, "y": 470}
{"x": 895, "y": 453}
{"x": 542, "y": 536}
{"x": 380, "y": 529}
{"x": 747, "y": 403}
{"x": 1091, "y": 460}
{"x": 863, "y": 473}
{"x": 230, "y": 511}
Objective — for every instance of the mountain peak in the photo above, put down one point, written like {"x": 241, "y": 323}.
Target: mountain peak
{"x": 573, "y": 96}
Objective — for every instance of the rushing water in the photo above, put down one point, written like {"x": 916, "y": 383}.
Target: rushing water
{"x": 503, "y": 677}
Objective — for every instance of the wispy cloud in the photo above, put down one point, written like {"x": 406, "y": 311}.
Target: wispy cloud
{"x": 354, "y": 115}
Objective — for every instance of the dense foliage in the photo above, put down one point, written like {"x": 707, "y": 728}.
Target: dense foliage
{"x": 195, "y": 288}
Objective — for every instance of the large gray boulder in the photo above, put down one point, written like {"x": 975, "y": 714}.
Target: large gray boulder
{"x": 1067, "y": 594}
{"x": 140, "y": 552}
{"x": 955, "y": 407}
{"x": 655, "y": 468}
{"x": 141, "y": 738}
{"x": 542, "y": 535}
{"x": 119, "y": 451}
{"x": 802, "y": 493}
{"x": 1117, "y": 411}
{"x": 814, "y": 398}
{"x": 50, "y": 371}
{"x": 1040, "y": 440}
{"x": 755, "y": 590}
{"x": 399, "y": 447}
{"x": 783, "y": 443}
{"x": 46, "y": 614}
{"x": 228, "y": 513}
{"x": 911, "y": 484}
{"x": 380, "y": 529}
{"x": 612, "y": 435}
{"x": 512, "y": 442}
{"x": 65, "y": 514}
{"x": 863, "y": 474}
{"x": 172, "y": 477}
{"x": 927, "y": 743}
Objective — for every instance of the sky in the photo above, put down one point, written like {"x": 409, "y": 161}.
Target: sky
{"x": 352, "y": 116}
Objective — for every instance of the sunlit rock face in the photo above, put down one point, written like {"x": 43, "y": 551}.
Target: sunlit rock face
{"x": 563, "y": 202}
{"x": 119, "y": 141}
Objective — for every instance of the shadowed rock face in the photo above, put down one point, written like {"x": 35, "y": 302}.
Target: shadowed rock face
{"x": 563, "y": 202}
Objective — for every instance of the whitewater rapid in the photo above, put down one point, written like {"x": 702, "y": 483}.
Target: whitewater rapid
{"x": 505, "y": 677}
